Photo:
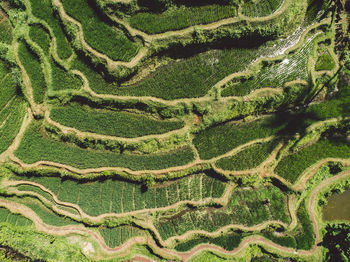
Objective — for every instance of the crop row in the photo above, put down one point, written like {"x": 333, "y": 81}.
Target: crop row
{"x": 116, "y": 196}
{"x": 248, "y": 158}
{"x": 221, "y": 139}
{"x": 14, "y": 219}
{"x": 114, "y": 123}
{"x": 98, "y": 34}
{"x": 35, "y": 147}
{"x": 293, "y": 67}
{"x": 191, "y": 77}
{"x": 292, "y": 166}
{"x": 246, "y": 207}
{"x": 261, "y": 7}
{"x": 32, "y": 66}
{"x": 181, "y": 17}
{"x": 10, "y": 122}
{"x": 42, "y": 9}
{"x": 117, "y": 236}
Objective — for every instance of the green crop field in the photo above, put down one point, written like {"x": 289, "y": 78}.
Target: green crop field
{"x": 113, "y": 123}
{"x": 174, "y": 130}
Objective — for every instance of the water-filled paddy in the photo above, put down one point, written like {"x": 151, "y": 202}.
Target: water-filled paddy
{"x": 338, "y": 207}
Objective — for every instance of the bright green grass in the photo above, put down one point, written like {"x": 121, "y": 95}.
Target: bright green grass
{"x": 40, "y": 36}
{"x": 35, "y": 147}
{"x": 292, "y": 166}
{"x": 62, "y": 80}
{"x": 32, "y": 66}
{"x": 246, "y": 207}
{"x": 6, "y": 32}
{"x": 114, "y": 123}
{"x": 10, "y": 122}
{"x": 99, "y": 35}
{"x": 3, "y": 70}
{"x": 15, "y": 219}
{"x": 116, "y": 236}
{"x": 42, "y": 9}
{"x": 325, "y": 62}
{"x": 293, "y": 67}
{"x": 248, "y": 158}
{"x": 181, "y": 17}
{"x": 220, "y": 139}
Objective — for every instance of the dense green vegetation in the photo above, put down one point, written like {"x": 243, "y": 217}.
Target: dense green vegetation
{"x": 248, "y": 158}
{"x": 11, "y": 118}
{"x": 292, "y": 166}
{"x": 14, "y": 219}
{"x": 116, "y": 236}
{"x": 114, "y": 123}
{"x": 42, "y": 9}
{"x": 306, "y": 238}
{"x": 42, "y": 148}
{"x": 152, "y": 192}
{"x": 275, "y": 74}
{"x": 63, "y": 80}
{"x": 220, "y": 139}
{"x": 100, "y": 35}
{"x": 261, "y": 7}
{"x": 180, "y": 17}
{"x": 246, "y": 207}
{"x": 32, "y": 66}
{"x": 104, "y": 198}
{"x": 40, "y": 36}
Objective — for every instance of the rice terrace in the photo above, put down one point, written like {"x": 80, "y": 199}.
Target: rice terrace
{"x": 174, "y": 130}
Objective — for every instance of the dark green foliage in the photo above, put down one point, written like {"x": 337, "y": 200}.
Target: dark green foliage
{"x": 191, "y": 77}
{"x": 40, "y": 36}
{"x": 286, "y": 241}
{"x": 228, "y": 241}
{"x": 5, "y": 32}
{"x": 220, "y": 139}
{"x": 181, "y": 17}
{"x": 248, "y": 158}
{"x": 43, "y": 10}
{"x": 101, "y": 36}
{"x": 34, "y": 147}
{"x": 114, "y": 123}
{"x": 62, "y": 80}
{"x": 246, "y": 207}
{"x": 292, "y": 166}
{"x": 306, "y": 238}
{"x": 32, "y": 66}
{"x": 337, "y": 241}
{"x": 261, "y": 8}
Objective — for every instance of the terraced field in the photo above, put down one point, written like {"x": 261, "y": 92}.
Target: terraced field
{"x": 171, "y": 130}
